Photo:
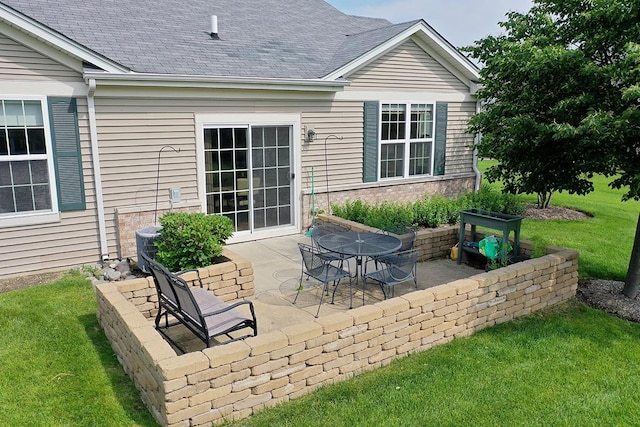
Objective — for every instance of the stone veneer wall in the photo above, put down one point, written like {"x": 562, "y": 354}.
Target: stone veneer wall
{"x": 233, "y": 381}
{"x": 129, "y": 220}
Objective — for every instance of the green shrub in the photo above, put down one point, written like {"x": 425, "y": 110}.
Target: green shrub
{"x": 491, "y": 199}
{"x": 429, "y": 212}
{"x": 433, "y": 212}
{"x": 357, "y": 211}
{"x": 391, "y": 216}
{"x": 191, "y": 240}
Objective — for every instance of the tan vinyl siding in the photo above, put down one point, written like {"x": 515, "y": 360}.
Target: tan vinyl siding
{"x": 72, "y": 241}
{"x": 132, "y": 132}
{"x": 407, "y": 67}
{"x": 18, "y": 62}
{"x": 344, "y": 157}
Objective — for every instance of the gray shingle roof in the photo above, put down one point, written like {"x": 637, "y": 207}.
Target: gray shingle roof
{"x": 359, "y": 44}
{"x": 257, "y": 38}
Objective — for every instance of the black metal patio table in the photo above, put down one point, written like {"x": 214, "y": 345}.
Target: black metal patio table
{"x": 359, "y": 245}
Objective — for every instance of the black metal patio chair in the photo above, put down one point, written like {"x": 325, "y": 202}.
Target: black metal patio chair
{"x": 395, "y": 268}
{"x": 317, "y": 231}
{"x": 407, "y": 236}
{"x": 314, "y": 265}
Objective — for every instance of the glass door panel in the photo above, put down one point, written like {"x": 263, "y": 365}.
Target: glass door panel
{"x": 249, "y": 179}
{"x": 271, "y": 157}
{"x": 227, "y": 169}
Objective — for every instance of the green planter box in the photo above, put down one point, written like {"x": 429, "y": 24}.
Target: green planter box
{"x": 492, "y": 220}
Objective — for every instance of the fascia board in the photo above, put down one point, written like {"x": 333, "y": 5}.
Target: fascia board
{"x": 429, "y": 36}
{"x": 213, "y": 82}
{"x": 41, "y": 47}
{"x": 39, "y": 31}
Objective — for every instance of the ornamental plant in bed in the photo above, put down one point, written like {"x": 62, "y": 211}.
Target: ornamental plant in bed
{"x": 191, "y": 240}
{"x": 428, "y": 212}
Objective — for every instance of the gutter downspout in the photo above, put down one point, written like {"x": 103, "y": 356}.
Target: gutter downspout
{"x": 476, "y": 141}
{"x": 97, "y": 178}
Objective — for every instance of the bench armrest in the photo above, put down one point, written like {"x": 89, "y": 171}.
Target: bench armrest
{"x": 231, "y": 307}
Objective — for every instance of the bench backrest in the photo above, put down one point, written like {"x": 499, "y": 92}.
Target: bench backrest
{"x": 175, "y": 292}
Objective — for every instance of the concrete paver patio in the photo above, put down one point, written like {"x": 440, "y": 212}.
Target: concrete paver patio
{"x": 277, "y": 267}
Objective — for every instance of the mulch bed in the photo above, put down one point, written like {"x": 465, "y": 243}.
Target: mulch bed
{"x": 606, "y": 295}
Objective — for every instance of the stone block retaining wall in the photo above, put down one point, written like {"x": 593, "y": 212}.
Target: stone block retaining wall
{"x": 235, "y": 380}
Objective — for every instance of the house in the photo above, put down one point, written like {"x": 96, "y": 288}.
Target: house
{"x": 114, "y": 112}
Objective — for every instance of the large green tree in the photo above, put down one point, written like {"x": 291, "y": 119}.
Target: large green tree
{"x": 561, "y": 91}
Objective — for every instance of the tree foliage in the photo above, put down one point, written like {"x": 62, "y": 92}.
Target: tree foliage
{"x": 561, "y": 93}
{"x": 558, "y": 90}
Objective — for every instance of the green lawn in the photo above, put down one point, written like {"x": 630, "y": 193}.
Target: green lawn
{"x": 56, "y": 366}
{"x": 604, "y": 241}
{"x": 573, "y": 366}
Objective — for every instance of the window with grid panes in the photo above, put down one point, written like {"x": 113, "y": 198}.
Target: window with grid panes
{"x": 406, "y": 140}
{"x": 25, "y": 178}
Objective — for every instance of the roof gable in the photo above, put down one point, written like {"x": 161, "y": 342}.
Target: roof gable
{"x": 405, "y": 68}
{"x": 428, "y": 40}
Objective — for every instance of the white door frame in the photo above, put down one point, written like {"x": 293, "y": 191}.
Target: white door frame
{"x": 212, "y": 120}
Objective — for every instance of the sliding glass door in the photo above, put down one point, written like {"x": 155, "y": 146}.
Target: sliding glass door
{"x": 248, "y": 175}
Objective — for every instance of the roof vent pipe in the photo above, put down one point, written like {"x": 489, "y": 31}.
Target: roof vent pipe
{"x": 214, "y": 26}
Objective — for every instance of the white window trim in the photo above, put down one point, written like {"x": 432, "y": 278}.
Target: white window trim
{"x": 18, "y": 219}
{"x": 406, "y": 141}
{"x": 212, "y": 120}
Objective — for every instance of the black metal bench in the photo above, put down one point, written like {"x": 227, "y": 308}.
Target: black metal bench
{"x": 203, "y": 313}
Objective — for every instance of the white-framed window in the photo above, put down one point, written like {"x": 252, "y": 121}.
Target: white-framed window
{"x": 24, "y": 173}
{"x": 406, "y": 139}
{"x": 27, "y": 181}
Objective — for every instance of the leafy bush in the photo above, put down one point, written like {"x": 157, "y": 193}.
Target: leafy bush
{"x": 438, "y": 210}
{"x": 357, "y": 211}
{"x": 191, "y": 240}
{"x": 391, "y": 216}
{"x": 385, "y": 216}
{"x": 429, "y": 212}
{"x": 491, "y": 199}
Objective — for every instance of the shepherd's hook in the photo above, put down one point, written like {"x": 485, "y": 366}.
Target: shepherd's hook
{"x": 155, "y": 214}
{"x": 326, "y": 168}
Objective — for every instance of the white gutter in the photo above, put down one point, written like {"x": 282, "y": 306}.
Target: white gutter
{"x": 476, "y": 141}
{"x": 97, "y": 178}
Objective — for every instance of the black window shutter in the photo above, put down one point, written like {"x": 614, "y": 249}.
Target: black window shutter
{"x": 440, "y": 138}
{"x": 67, "y": 157}
{"x": 370, "y": 149}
